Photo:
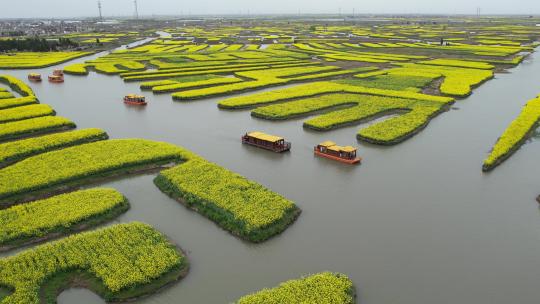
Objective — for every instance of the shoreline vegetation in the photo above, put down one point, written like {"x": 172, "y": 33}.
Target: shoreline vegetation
{"x": 515, "y": 135}
{"x": 25, "y": 112}
{"x": 73, "y": 166}
{"x": 242, "y": 207}
{"x": 127, "y": 261}
{"x": 46, "y": 219}
{"x": 15, "y": 84}
{"x": 34, "y": 126}
{"x": 38, "y": 60}
{"x": 324, "y": 287}
{"x": 14, "y": 151}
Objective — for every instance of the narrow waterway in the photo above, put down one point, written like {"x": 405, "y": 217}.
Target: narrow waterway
{"x": 416, "y": 223}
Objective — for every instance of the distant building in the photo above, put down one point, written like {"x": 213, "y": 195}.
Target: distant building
{"x": 106, "y": 22}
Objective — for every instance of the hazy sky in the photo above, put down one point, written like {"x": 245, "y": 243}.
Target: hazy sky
{"x": 76, "y": 8}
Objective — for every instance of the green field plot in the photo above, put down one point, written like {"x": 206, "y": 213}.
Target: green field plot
{"x": 34, "y": 126}
{"x": 120, "y": 262}
{"x": 26, "y": 60}
{"x": 79, "y": 164}
{"x": 58, "y": 215}
{"x": 20, "y": 149}
{"x": 243, "y": 207}
{"x": 25, "y": 112}
{"x": 324, "y": 287}
{"x": 515, "y": 135}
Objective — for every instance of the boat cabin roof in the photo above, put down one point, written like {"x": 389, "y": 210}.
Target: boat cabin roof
{"x": 327, "y": 143}
{"x": 330, "y": 145}
{"x": 265, "y": 137}
{"x": 55, "y": 76}
{"x": 341, "y": 149}
{"x": 134, "y": 96}
{"x": 34, "y": 74}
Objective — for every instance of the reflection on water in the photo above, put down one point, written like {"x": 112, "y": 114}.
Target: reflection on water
{"x": 264, "y": 154}
{"x": 536, "y": 133}
{"x": 415, "y": 223}
{"x": 79, "y": 296}
{"x": 4, "y": 292}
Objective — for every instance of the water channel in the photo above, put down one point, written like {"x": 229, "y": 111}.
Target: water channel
{"x": 416, "y": 223}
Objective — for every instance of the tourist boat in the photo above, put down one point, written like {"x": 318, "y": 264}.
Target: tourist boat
{"x": 56, "y": 78}
{"x": 330, "y": 150}
{"x": 34, "y": 77}
{"x": 133, "y": 99}
{"x": 58, "y": 72}
{"x": 265, "y": 141}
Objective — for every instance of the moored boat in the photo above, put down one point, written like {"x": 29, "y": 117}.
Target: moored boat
{"x": 58, "y": 72}
{"x": 266, "y": 141}
{"x": 56, "y": 78}
{"x": 134, "y": 99}
{"x": 34, "y": 77}
{"x": 329, "y": 149}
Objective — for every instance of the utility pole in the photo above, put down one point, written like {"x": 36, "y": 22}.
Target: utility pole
{"x": 353, "y": 12}
{"x": 99, "y": 8}
{"x": 136, "y": 9}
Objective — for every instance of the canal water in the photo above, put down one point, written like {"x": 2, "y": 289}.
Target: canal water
{"x": 416, "y": 223}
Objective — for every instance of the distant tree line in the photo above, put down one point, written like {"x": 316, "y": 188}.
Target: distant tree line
{"x": 12, "y": 33}
{"x": 36, "y": 44}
